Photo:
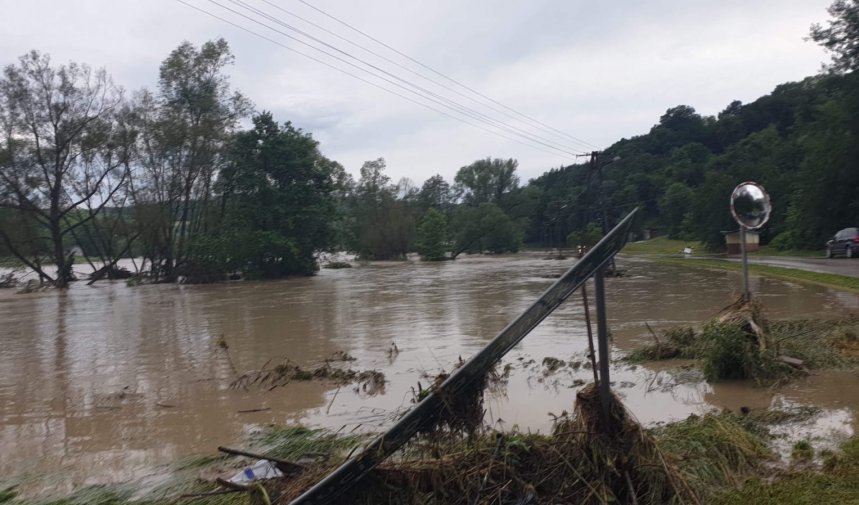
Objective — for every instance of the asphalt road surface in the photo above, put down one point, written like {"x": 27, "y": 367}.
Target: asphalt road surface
{"x": 840, "y": 266}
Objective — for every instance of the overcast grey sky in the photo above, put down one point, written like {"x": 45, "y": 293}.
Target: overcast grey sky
{"x": 598, "y": 71}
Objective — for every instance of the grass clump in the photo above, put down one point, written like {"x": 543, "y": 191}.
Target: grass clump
{"x": 729, "y": 352}
{"x": 6, "y": 495}
{"x": 802, "y": 451}
{"x": 741, "y": 344}
{"x": 836, "y": 482}
{"x": 681, "y": 342}
{"x": 715, "y": 451}
{"x": 298, "y": 442}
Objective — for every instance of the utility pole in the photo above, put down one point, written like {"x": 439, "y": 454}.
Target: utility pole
{"x": 595, "y": 165}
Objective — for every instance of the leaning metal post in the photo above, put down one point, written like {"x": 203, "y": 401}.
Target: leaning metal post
{"x": 602, "y": 344}
{"x": 591, "y": 350}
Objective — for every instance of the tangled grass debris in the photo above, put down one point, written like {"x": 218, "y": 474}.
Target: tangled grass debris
{"x": 719, "y": 458}
{"x": 742, "y": 344}
{"x": 285, "y": 372}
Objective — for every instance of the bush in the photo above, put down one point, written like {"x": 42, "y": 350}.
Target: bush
{"x": 729, "y": 352}
{"x": 784, "y": 241}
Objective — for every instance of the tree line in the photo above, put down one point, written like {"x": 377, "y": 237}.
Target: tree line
{"x": 169, "y": 176}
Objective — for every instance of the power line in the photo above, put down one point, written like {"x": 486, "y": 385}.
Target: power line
{"x": 406, "y": 85}
{"x": 452, "y": 89}
{"x": 536, "y": 121}
{"x": 371, "y": 83}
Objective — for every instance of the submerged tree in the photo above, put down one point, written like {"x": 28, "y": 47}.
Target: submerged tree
{"x": 277, "y": 204}
{"x": 184, "y": 132}
{"x": 432, "y": 236}
{"x": 484, "y": 228}
{"x": 64, "y": 148}
{"x": 383, "y": 225}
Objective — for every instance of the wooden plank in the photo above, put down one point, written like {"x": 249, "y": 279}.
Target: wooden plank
{"x": 421, "y": 415}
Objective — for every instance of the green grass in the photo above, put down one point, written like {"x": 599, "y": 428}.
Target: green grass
{"x": 837, "y": 482}
{"x": 661, "y": 246}
{"x": 788, "y": 274}
{"x": 716, "y": 451}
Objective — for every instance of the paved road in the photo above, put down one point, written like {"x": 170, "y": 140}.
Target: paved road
{"x": 840, "y": 266}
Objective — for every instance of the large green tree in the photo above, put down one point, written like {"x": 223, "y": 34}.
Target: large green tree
{"x": 486, "y": 181}
{"x": 277, "y": 204}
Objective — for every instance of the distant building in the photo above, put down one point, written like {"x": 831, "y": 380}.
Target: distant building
{"x": 732, "y": 241}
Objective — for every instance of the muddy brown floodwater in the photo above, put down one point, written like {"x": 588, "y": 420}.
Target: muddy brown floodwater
{"x": 107, "y": 383}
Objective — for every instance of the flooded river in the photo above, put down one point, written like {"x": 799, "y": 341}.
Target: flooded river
{"x": 104, "y": 383}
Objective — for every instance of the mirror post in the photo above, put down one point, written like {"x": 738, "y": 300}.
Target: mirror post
{"x": 751, "y": 208}
{"x": 747, "y": 295}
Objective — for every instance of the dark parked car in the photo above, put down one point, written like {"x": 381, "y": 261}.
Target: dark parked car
{"x": 844, "y": 242}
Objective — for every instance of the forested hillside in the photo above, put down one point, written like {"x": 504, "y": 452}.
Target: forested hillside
{"x": 801, "y": 142}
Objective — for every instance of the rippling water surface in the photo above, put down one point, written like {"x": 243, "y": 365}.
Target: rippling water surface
{"x": 105, "y": 383}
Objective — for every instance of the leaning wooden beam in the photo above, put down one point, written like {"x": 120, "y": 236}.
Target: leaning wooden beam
{"x": 425, "y": 412}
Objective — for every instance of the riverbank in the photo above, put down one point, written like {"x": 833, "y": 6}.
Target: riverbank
{"x": 669, "y": 252}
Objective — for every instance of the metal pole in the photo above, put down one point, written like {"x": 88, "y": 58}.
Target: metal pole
{"x": 605, "y": 226}
{"x": 602, "y": 343}
{"x": 591, "y": 350}
{"x": 747, "y": 295}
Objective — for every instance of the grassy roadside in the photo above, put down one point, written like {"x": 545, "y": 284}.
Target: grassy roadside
{"x": 661, "y": 246}
{"x": 667, "y": 251}
{"x": 788, "y": 274}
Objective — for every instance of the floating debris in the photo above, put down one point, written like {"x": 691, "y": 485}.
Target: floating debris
{"x": 287, "y": 371}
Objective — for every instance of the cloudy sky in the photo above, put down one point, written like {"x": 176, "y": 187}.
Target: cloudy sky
{"x": 595, "y": 71}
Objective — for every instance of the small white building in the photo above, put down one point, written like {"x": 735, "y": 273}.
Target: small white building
{"x": 732, "y": 241}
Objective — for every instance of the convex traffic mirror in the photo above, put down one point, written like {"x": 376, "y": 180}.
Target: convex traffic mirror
{"x": 750, "y": 205}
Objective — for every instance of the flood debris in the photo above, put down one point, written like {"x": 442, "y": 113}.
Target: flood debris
{"x": 740, "y": 343}
{"x": 584, "y": 460}
{"x": 8, "y": 280}
{"x": 393, "y": 351}
{"x": 552, "y": 364}
{"x": 111, "y": 272}
{"x": 720, "y": 458}
{"x": 334, "y": 265}
{"x": 271, "y": 377}
{"x": 463, "y": 413}
{"x": 339, "y": 356}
